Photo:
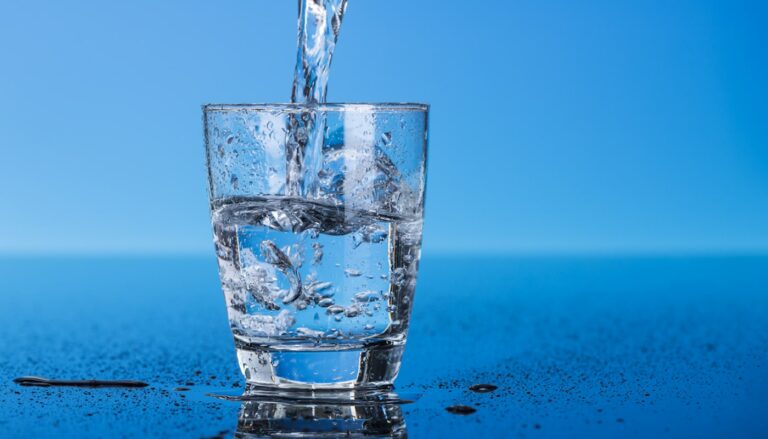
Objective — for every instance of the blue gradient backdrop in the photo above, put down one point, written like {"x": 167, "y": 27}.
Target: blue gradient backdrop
{"x": 556, "y": 126}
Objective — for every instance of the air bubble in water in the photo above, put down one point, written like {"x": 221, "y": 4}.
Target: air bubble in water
{"x": 335, "y": 309}
{"x": 317, "y": 253}
{"x": 367, "y": 296}
{"x": 306, "y": 332}
{"x": 352, "y": 272}
{"x": 352, "y": 311}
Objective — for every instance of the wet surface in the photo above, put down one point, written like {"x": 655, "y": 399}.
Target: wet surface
{"x": 578, "y": 347}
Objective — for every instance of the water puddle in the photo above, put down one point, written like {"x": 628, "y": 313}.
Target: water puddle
{"x": 33, "y": 381}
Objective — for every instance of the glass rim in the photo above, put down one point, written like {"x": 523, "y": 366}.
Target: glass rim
{"x": 331, "y": 107}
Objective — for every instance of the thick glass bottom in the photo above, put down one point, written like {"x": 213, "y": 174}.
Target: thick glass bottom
{"x": 313, "y": 420}
{"x": 355, "y": 367}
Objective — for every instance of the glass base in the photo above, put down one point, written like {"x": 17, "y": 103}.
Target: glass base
{"x": 313, "y": 420}
{"x": 309, "y": 369}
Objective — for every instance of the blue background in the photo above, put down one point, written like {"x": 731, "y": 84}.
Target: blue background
{"x": 581, "y": 136}
{"x": 556, "y": 126}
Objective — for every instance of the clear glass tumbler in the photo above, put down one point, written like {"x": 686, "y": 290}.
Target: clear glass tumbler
{"x": 317, "y": 217}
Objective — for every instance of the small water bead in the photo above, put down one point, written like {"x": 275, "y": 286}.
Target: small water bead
{"x": 230, "y": 139}
{"x": 337, "y": 318}
{"x": 368, "y": 327}
{"x": 325, "y": 303}
{"x": 301, "y": 305}
{"x": 483, "y": 388}
{"x": 460, "y": 410}
{"x": 406, "y": 300}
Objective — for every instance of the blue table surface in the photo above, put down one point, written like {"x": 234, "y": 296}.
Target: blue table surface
{"x": 578, "y": 346}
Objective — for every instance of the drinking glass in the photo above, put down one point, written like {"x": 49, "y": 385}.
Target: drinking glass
{"x": 317, "y": 218}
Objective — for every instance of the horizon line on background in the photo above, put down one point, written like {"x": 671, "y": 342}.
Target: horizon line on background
{"x": 538, "y": 252}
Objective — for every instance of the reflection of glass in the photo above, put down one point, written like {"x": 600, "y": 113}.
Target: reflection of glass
{"x": 317, "y": 217}
{"x": 259, "y": 419}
